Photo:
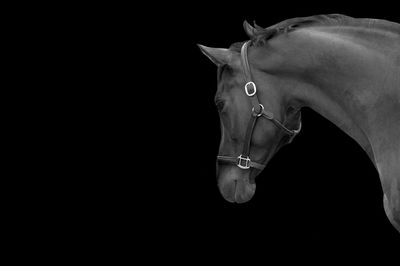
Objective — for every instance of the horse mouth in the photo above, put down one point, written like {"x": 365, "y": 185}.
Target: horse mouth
{"x": 236, "y": 189}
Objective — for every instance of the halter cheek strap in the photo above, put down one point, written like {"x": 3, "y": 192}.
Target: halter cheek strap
{"x": 243, "y": 160}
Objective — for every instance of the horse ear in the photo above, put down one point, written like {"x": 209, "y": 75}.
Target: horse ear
{"x": 250, "y": 31}
{"x": 218, "y": 56}
{"x": 257, "y": 27}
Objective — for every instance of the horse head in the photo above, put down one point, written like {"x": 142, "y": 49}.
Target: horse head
{"x": 244, "y": 98}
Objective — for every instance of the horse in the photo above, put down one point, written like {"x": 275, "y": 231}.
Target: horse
{"x": 346, "y": 69}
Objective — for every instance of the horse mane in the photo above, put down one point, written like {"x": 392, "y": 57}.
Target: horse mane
{"x": 261, "y": 36}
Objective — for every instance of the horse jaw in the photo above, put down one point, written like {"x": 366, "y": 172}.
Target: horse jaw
{"x": 235, "y": 185}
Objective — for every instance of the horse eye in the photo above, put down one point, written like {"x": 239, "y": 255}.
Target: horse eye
{"x": 220, "y": 105}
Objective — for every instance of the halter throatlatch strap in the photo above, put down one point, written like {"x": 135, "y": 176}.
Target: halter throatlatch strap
{"x": 270, "y": 116}
{"x": 243, "y": 160}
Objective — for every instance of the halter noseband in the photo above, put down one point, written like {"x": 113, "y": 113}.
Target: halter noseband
{"x": 243, "y": 160}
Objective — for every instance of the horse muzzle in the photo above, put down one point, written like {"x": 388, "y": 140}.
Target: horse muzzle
{"x": 235, "y": 184}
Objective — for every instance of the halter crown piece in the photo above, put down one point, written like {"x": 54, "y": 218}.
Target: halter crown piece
{"x": 243, "y": 160}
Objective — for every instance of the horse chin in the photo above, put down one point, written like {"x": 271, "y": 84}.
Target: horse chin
{"x": 236, "y": 185}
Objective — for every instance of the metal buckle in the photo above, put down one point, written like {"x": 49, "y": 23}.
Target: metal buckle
{"x": 241, "y": 159}
{"x": 261, "y": 111}
{"x": 252, "y": 91}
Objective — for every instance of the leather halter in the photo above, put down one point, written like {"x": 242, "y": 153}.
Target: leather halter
{"x": 243, "y": 160}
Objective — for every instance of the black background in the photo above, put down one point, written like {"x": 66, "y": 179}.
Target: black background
{"x": 321, "y": 193}
{"x": 138, "y": 70}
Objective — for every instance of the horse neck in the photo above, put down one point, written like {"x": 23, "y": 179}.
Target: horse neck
{"x": 346, "y": 81}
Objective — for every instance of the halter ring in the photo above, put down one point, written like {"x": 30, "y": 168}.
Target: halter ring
{"x": 259, "y": 113}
